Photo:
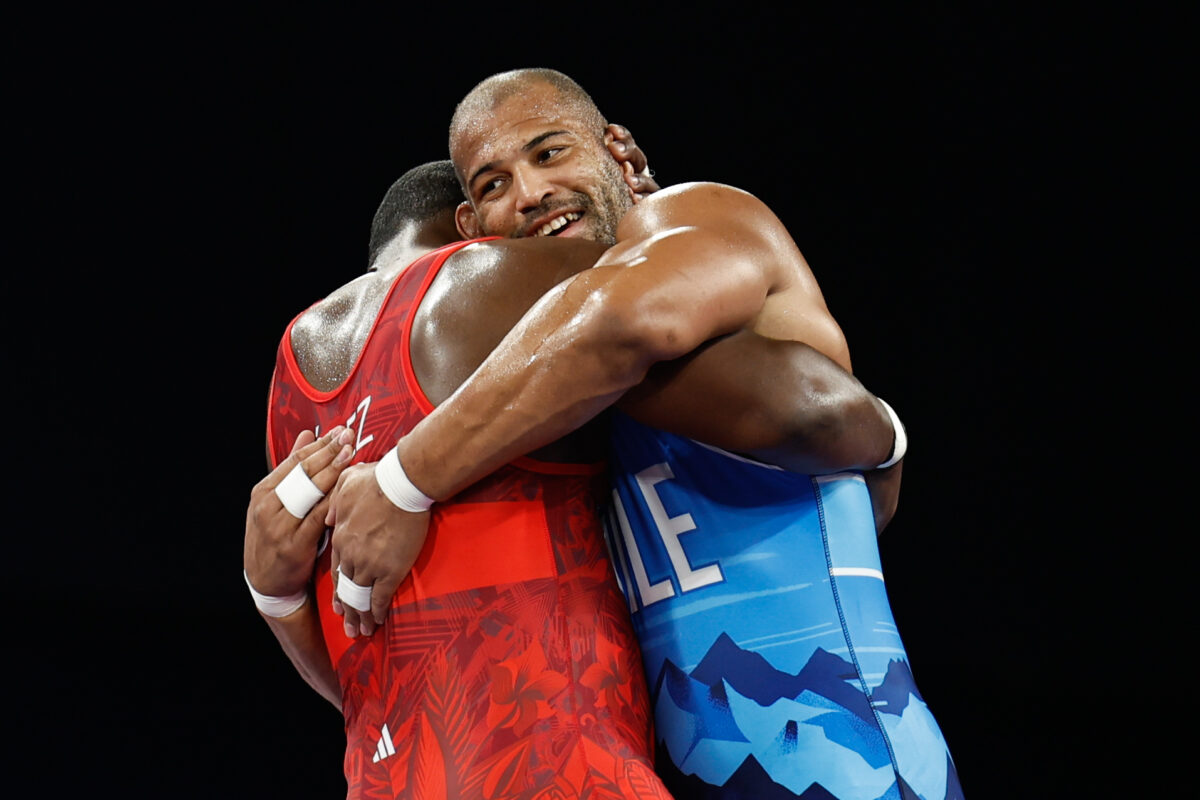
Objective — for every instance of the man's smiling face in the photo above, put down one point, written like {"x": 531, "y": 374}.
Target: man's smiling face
{"x": 534, "y": 168}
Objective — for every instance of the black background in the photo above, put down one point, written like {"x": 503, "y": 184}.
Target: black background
{"x": 184, "y": 186}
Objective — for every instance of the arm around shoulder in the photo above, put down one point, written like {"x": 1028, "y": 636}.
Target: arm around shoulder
{"x": 777, "y": 401}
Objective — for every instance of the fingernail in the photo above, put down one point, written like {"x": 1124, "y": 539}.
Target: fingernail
{"x": 335, "y": 431}
{"x": 351, "y": 631}
{"x": 346, "y": 436}
{"x": 343, "y": 455}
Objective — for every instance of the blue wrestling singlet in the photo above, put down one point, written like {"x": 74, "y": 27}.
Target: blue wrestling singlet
{"x": 775, "y": 667}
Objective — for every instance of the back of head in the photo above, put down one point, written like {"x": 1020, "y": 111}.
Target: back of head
{"x": 475, "y": 109}
{"x": 421, "y": 203}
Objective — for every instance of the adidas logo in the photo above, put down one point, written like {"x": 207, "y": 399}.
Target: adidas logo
{"x": 384, "y": 748}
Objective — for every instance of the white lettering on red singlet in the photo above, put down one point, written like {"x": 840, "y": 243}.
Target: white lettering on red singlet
{"x": 360, "y": 442}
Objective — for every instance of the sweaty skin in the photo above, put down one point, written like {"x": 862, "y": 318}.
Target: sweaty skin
{"x": 815, "y": 407}
{"x": 691, "y": 263}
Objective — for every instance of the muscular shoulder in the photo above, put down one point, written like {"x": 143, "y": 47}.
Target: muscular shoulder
{"x": 530, "y": 260}
{"x": 496, "y": 278}
{"x": 327, "y": 337}
{"x": 715, "y": 206}
{"x": 479, "y": 294}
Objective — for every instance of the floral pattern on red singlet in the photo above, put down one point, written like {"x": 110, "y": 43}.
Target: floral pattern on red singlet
{"x": 514, "y": 675}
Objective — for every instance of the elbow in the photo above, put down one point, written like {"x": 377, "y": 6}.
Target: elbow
{"x": 818, "y": 418}
{"x": 828, "y": 426}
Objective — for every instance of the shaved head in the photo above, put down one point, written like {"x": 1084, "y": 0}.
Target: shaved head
{"x": 476, "y": 108}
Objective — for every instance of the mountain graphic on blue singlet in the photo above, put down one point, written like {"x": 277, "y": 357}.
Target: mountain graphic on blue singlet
{"x": 749, "y": 782}
{"x": 736, "y": 721}
{"x": 753, "y": 677}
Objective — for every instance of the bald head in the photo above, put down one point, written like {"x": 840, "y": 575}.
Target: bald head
{"x": 475, "y": 111}
{"x": 530, "y": 149}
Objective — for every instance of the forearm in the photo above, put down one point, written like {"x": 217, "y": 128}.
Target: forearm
{"x": 777, "y": 401}
{"x": 299, "y": 634}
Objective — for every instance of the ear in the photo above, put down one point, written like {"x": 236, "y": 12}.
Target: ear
{"x": 466, "y": 221}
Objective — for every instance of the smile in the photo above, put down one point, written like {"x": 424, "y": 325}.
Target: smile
{"x": 557, "y": 223}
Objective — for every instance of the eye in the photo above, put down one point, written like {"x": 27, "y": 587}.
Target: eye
{"x": 490, "y": 187}
{"x": 549, "y": 154}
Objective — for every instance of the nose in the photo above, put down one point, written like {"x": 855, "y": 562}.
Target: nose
{"x": 531, "y": 187}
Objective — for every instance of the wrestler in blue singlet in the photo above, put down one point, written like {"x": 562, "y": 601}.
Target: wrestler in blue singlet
{"x": 775, "y": 667}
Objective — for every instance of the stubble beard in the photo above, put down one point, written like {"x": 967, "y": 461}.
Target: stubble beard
{"x": 612, "y": 202}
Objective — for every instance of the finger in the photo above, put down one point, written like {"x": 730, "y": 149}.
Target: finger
{"x": 298, "y": 454}
{"x": 360, "y": 621}
{"x": 351, "y": 588}
{"x": 331, "y": 516}
{"x": 351, "y": 618}
{"x": 326, "y": 463}
{"x": 350, "y": 621}
{"x": 624, "y": 148}
{"x": 306, "y": 437}
{"x": 335, "y": 572}
{"x": 381, "y": 598}
{"x": 313, "y": 527}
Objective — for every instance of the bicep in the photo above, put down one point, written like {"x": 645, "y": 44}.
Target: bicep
{"x": 686, "y": 285}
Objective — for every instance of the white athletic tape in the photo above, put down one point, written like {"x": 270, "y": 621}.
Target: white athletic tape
{"x": 275, "y": 606}
{"x": 396, "y": 485}
{"x": 900, "y": 446}
{"x": 298, "y": 493}
{"x": 352, "y": 594}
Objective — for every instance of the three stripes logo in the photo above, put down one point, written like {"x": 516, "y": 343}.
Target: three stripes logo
{"x": 384, "y": 748}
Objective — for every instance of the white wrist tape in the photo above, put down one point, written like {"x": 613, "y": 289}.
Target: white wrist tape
{"x": 396, "y": 485}
{"x": 900, "y": 445}
{"x": 275, "y": 606}
{"x": 298, "y": 493}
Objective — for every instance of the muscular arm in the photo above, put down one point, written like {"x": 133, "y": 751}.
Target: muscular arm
{"x": 299, "y": 634}
{"x": 692, "y": 263}
{"x": 777, "y": 401}
{"x": 279, "y": 551}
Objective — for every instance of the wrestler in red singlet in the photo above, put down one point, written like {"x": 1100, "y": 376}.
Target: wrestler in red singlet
{"x": 507, "y": 666}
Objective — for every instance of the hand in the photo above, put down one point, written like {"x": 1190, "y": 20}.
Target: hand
{"x": 632, "y": 160}
{"x": 884, "y": 488}
{"x": 279, "y": 550}
{"x": 374, "y": 544}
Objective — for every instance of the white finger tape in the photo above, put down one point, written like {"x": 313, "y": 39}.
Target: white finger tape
{"x": 275, "y": 606}
{"x": 352, "y": 594}
{"x": 298, "y": 493}
{"x": 900, "y": 445}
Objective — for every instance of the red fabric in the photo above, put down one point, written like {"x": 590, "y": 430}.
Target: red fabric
{"x": 507, "y": 667}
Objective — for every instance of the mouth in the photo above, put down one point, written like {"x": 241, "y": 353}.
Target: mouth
{"x": 555, "y": 226}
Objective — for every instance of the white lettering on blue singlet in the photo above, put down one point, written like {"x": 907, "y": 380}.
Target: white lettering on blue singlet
{"x": 646, "y": 593}
{"x": 669, "y": 530}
